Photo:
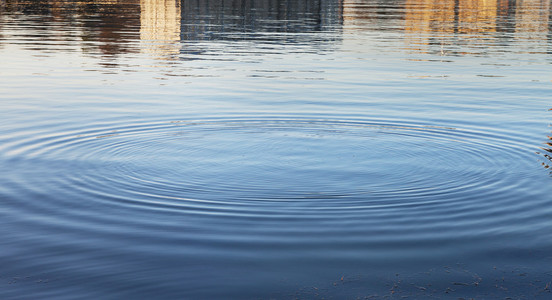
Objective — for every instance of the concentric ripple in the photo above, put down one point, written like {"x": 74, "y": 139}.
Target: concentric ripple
{"x": 274, "y": 166}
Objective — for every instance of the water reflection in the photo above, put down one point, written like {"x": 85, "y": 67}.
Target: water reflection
{"x": 99, "y": 26}
{"x": 160, "y": 28}
{"x": 533, "y": 18}
{"x": 451, "y": 16}
{"x": 289, "y": 140}
{"x": 476, "y": 16}
{"x": 165, "y": 28}
{"x": 474, "y": 24}
{"x": 110, "y": 28}
{"x": 221, "y": 19}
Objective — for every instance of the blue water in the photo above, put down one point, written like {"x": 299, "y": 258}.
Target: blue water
{"x": 275, "y": 149}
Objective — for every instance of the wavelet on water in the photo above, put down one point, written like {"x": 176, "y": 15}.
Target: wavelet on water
{"x": 249, "y": 149}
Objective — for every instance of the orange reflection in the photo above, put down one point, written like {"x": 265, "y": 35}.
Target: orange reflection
{"x": 459, "y": 16}
{"x": 439, "y": 19}
{"x": 430, "y": 15}
{"x": 477, "y": 16}
{"x": 160, "y": 28}
{"x": 442, "y": 18}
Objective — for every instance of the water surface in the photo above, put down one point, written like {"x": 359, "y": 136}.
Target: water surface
{"x": 275, "y": 149}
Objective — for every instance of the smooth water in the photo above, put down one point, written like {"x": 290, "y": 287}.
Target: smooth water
{"x": 275, "y": 149}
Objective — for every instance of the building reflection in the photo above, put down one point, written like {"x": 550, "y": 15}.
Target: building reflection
{"x": 111, "y": 28}
{"x": 160, "y": 23}
{"x": 476, "y": 16}
{"x": 219, "y": 19}
{"x": 451, "y": 16}
{"x": 472, "y": 21}
{"x": 261, "y": 22}
{"x": 533, "y": 17}
{"x": 447, "y": 18}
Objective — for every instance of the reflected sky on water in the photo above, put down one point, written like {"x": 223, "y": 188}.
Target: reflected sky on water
{"x": 275, "y": 149}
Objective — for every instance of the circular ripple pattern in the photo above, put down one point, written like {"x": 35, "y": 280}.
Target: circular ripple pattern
{"x": 278, "y": 166}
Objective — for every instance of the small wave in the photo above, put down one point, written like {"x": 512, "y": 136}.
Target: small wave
{"x": 276, "y": 166}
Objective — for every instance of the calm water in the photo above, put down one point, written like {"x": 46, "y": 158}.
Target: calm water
{"x": 275, "y": 149}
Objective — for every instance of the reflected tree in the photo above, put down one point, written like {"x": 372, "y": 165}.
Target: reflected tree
{"x": 103, "y": 26}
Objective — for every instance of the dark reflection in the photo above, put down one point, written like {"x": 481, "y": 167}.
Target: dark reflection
{"x": 223, "y": 19}
{"x": 99, "y": 26}
{"x": 113, "y": 24}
